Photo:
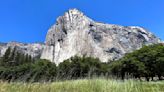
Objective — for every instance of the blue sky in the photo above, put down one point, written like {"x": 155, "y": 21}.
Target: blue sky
{"x": 29, "y": 20}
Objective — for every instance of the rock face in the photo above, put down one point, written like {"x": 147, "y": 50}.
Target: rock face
{"x": 76, "y": 34}
{"x": 35, "y": 49}
{"x": 2, "y": 49}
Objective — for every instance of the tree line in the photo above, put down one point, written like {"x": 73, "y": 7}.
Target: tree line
{"x": 13, "y": 57}
{"x": 17, "y": 66}
{"x": 147, "y": 62}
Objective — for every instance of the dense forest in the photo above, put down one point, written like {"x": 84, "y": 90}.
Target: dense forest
{"x": 147, "y": 62}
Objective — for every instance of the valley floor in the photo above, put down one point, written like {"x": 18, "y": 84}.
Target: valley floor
{"x": 85, "y": 85}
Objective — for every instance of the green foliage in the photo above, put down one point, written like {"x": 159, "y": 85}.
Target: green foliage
{"x": 146, "y": 62}
{"x": 20, "y": 67}
{"x": 64, "y": 69}
{"x": 79, "y": 67}
{"x": 41, "y": 70}
{"x": 6, "y": 57}
{"x": 84, "y": 85}
{"x": 13, "y": 52}
{"x": 17, "y": 58}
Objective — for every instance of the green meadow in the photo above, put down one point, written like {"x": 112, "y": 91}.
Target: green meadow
{"x": 85, "y": 85}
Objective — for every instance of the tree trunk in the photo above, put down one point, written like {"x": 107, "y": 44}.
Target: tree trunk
{"x": 147, "y": 78}
{"x": 122, "y": 76}
{"x": 152, "y": 78}
{"x": 159, "y": 77}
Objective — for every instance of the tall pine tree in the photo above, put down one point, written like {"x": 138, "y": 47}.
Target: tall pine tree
{"x": 17, "y": 58}
{"x": 26, "y": 58}
{"x": 22, "y": 58}
{"x": 13, "y": 52}
{"x": 6, "y": 57}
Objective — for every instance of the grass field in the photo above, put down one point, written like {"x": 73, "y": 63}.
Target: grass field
{"x": 85, "y": 85}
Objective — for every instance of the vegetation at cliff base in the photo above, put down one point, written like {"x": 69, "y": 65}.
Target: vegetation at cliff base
{"x": 15, "y": 66}
{"x": 147, "y": 62}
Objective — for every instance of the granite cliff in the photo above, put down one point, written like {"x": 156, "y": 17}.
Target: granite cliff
{"x": 33, "y": 49}
{"x": 76, "y": 34}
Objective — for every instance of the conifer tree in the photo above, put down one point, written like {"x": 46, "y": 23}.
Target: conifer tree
{"x": 26, "y": 58}
{"x": 12, "y": 58}
{"x": 22, "y": 58}
{"x": 17, "y": 58}
{"x": 30, "y": 59}
{"x": 6, "y": 57}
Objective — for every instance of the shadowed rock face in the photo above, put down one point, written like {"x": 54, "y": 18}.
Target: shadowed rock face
{"x": 76, "y": 34}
